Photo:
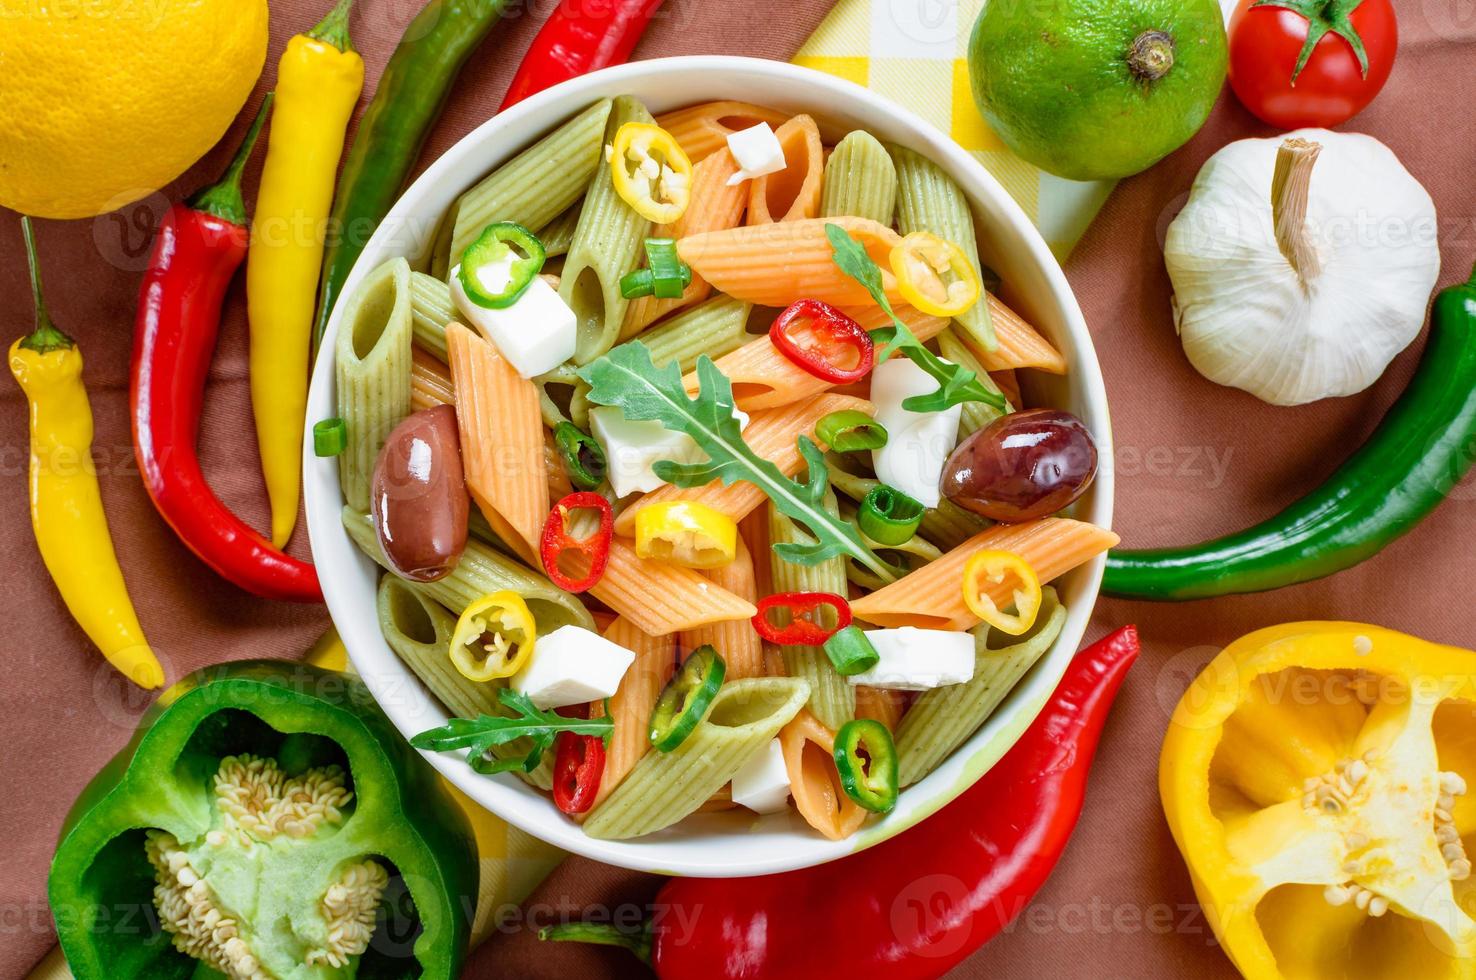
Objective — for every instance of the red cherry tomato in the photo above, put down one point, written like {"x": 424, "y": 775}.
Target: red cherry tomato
{"x": 1266, "y": 45}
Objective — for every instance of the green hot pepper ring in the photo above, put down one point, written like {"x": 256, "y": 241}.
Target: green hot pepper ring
{"x": 492, "y": 248}
{"x": 583, "y": 457}
{"x": 686, "y": 698}
{"x": 866, "y": 758}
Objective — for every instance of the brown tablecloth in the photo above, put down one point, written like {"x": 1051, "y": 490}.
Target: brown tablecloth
{"x": 1193, "y": 459}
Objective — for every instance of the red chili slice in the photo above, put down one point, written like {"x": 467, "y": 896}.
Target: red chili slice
{"x": 579, "y": 765}
{"x": 823, "y": 341}
{"x": 595, "y": 547}
{"x": 805, "y": 628}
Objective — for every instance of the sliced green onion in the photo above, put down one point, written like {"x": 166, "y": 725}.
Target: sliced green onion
{"x": 665, "y": 275}
{"x": 583, "y": 457}
{"x": 330, "y": 437}
{"x": 851, "y": 432}
{"x": 889, "y": 516}
{"x": 850, "y": 652}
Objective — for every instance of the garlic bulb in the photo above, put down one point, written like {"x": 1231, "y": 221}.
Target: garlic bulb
{"x": 1301, "y": 266}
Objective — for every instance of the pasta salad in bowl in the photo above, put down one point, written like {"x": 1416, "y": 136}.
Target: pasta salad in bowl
{"x": 705, "y": 467}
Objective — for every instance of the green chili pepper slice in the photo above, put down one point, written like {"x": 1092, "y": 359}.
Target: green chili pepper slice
{"x": 330, "y": 437}
{"x": 850, "y": 652}
{"x": 500, "y": 265}
{"x": 866, "y": 759}
{"x": 851, "y": 432}
{"x": 888, "y": 516}
{"x": 686, "y": 698}
{"x": 665, "y": 276}
{"x": 583, "y": 457}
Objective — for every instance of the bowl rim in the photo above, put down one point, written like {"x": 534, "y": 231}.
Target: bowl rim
{"x": 399, "y": 692}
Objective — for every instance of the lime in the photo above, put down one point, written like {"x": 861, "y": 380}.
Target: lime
{"x": 1097, "y": 89}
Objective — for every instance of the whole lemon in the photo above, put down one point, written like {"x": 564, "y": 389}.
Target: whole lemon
{"x": 105, "y": 101}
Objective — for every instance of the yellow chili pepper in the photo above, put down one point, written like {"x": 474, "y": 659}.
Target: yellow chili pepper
{"x": 494, "y": 637}
{"x": 686, "y": 533}
{"x": 934, "y": 275}
{"x": 1316, "y": 778}
{"x": 651, "y": 172}
{"x": 319, "y": 80}
{"x": 66, "y": 505}
{"x": 986, "y": 573}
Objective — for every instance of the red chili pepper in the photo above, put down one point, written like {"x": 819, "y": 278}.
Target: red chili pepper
{"x": 801, "y": 631}
{"x": 835, "y": 341}
{"x": 579, "y": 764}
{"x": 595, "y": 548}
{"x": 916, "y": 905}
{"x": 199, "y": 246}
{"x": 580, "y": 36}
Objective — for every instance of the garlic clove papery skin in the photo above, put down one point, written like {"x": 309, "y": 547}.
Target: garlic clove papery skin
{"x": 1245, "y": 315}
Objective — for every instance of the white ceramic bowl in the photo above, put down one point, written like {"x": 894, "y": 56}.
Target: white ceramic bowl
{"x": 735, "y": 842}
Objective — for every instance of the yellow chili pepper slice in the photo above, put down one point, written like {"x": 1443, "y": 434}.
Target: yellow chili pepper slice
{"x": 494, "y": 637}
{"x": 686, "y": 533}
{"x": 651, "y": 172}
{"x": 986, "y": 575}
{"x": 934, "y": 275}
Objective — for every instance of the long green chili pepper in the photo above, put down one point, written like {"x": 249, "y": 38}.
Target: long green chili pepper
{"x": 411, "y": 94}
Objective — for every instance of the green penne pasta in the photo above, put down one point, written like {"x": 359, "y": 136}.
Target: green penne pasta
{"x": 608, "y": 242}
{"x": 430, "y": 311}
{"x": 860, "y": 179}
{"x": 664, "y": 787}
{"x": 372, "y": 369}
{"x": 558, "y": 234}
{"x": 929, "y": 200}
{"x": 565, "y": 375}
{"x": 947, "y": 526}
{"x": 942, "y": 719}
{"x": 832, "y": 700}
{"x": 419, "y": 630}
{"x": 908, "y": 556}
{"x": 713, "y": 327}
{"x": 535, "y": 186}
{"x": 437, "y": 258}
{"x": 975, "y": 415}
{"x": 480, "y": 571}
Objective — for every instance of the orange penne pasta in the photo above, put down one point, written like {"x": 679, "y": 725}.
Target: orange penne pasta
{"x": 430, "y": 381}
{"x": 880, "y": 704}
{"x": 809, "y": 757}
{"x": 754, "y": 530}
{"x": 658, "y": 598}
{"x": 778, "y": 263}
{"x": 794, "y": 192}
{"x": 735, "y": 640}
{"x": 772, "y": 435}
{"x": 714, "y": 207}
{"x": 932, "y": 596}
{"x": 704, "y": 129}
{"x": 502, "y": 447}
{"x": 631, "y": 704}
{"x": 1020, "y": 344}
{"x": 1009, "y": 385}
{"x": 764, "y": 378}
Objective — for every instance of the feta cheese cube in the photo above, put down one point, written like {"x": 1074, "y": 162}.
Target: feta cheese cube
{"x": 762, "y": 784}
{"x": 632, "y": 449}
{"x": 757, "y": 151}
{"x": 918, "y": 443}
{"x": 918, "y": 660}
{"x": 572, "y": 665}
{"x": 536, "y": 334}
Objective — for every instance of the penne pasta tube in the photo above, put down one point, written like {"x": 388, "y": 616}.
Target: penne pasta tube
{"x": 558, "y": 234}
{"x": 1020, "y": 345}
{"x": 777, "y": 264}
{"x": 502, "y": 447}
{"x": 932, "y": 596}
{"x": 664, "y": 787}
{"x": 372, "y": 370}
{"x": 630, "y": 706}
{"x": 773, "y": 435}
{"x": 860, "y": 179}
{"x": 657, "y": 597}
{"x": 754, "y": 530}
{"x": 714, "y": 206}
{"x": 975, "y": 415}
{"x": 430, "y": 311}
{"x": 1008, "y": 382}
{"x": 881, "y": 704}
{"x": 735, "y": 640}
{"x": 809, "y": 756}
{"x": 704, "y": 129}
{"x": 942, "y": 719}
{"x": 715, "y": 327}
{"x": 794, "y": 192}
{"x": 430, "y": 381}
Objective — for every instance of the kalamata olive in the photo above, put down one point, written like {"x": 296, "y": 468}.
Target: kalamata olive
{"x": 418, "y": 496}
{"x": 1022, "y": 466}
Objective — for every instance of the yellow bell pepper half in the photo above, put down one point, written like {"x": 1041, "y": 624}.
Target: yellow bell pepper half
{"x": 651, "y": 172}
{"x": 934, "y": 275}
{"x": 1315, "y": 779}
{"x": 494, "y": 637}
{"x": 686, "y": 533}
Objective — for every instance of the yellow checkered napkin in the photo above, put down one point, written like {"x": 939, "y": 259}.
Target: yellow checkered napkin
{"x": 913, "y": 52}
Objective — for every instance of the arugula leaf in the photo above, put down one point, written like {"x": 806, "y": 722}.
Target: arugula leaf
{"x": 627, "y": 379}
{"x": 479, "y": 734}
{"x": 957, "y": 384}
